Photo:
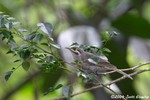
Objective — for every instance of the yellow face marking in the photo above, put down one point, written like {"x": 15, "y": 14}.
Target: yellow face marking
{"x": 74, "y": 50}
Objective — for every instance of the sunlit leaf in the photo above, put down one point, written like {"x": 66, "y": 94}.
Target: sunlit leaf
{"x": 9, "y": 26}
{"x": 55, "y": 45}
{"x": 11, "y": 18}
{"x": 22, "y": 30}
{"x": 104, "y": 58}
{"x": 46, "y": 28}
{"x": 115, "y": 33}
{"x": 30, "y": 36}
{"x": 49, "y": 58}
{"x": 23, "y": 46}
{"x": 2, "y": 22}
{"x": 16, "y": 23}
{"x": 106, "y": 35}
{"x": 51, "y": 38}
{"x": 81, "y": 74}
{"x": 106, "y": 50}
{"x": 5, "y": 15}
{"x": 1, "y": 12}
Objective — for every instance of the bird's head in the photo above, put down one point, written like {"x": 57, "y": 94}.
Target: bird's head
{"x": 75, "y": 50}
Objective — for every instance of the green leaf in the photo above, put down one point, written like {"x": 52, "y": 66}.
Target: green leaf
{"x": 11, "y": 18}
{"x": 45, "y": 44}
{"x": 8, "y": 74}
{"x": 30, "y": 36}
{"x": 46, "y": 28}
{"x": 49, "y": 58}
{"x": 16, "y": 23}
{"x": 2, "y": 22}
{"x": 58, "y": 86}
{"x": 33, "y": 50}
{"x": 9, "y": 26}
{"x": 51, "y": 89}
{"x": 55, "y": 45}
{"x": 7, "y": 34}
{"x": 8, "y": 52}
{"x": 106, "y": 50}
{"x": 25, "y": 54}
{"x": 26, "y": 65}
{"x": 106, "y": 35}
{"x": 133, "y": 25}
{"x": 39, "y": 37}
{"x": 22, "y": 30}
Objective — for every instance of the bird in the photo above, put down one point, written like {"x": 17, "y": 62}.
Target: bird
{"x": 92, "y": 63}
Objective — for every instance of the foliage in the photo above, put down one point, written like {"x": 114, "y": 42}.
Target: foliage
{"x": 30, "y": 47}
{"x": 30, "y": 50}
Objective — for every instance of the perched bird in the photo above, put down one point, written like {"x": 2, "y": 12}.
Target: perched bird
{"x": 92, "y": 63}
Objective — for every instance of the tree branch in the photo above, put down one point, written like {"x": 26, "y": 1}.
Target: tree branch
{"x": 127, "y": 69}
{"x": 112, "y": 82}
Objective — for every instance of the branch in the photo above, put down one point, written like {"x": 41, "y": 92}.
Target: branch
{"x": 127, "y": 69}
{"x": 112, "y": 82}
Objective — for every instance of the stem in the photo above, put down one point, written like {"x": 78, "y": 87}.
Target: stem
{"x": 112, "y": 82}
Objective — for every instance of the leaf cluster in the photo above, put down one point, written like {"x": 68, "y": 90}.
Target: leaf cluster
{"x": 31, "y": 50}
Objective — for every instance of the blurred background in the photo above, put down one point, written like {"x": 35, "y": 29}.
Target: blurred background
{"x": 82, "y": 21}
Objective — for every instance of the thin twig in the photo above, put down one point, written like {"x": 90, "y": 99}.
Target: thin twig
{"x": 94, "y": 79}
{"x": 135, "y": 67}
{"x": 127, "y": 69}
{"x": 106, "y": 86}
{"x": 112, "y": 82}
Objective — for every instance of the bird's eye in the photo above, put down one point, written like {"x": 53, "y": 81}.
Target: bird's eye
{"x": 75, "y": 50}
